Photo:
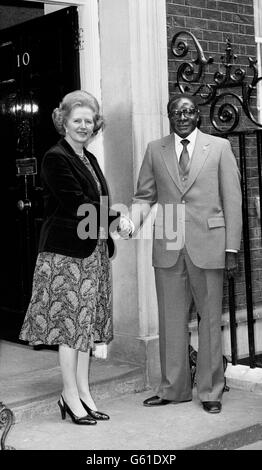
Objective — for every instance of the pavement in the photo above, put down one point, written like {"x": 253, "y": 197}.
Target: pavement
{"x": 31, "y": 383}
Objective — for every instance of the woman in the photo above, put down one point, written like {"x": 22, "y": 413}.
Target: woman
{"x": 71, "y": 299}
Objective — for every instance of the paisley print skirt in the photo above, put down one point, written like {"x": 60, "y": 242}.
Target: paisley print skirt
{"x": 71, "y": 301}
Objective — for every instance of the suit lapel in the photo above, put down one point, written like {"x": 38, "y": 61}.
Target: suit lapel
{"x": 71, "y": 154}
{"x": 82, "y": 167}
{"x": 169, "y": 156}
{"x": 199, "y": 157}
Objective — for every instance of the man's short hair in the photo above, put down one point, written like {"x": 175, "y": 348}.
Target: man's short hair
{"x": 173, "y": 99}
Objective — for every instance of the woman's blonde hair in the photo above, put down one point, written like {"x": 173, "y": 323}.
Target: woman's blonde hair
{"x": 71, "y": 100}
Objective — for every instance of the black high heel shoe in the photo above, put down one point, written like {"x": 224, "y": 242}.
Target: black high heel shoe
{"x": 64, "y": 408}
{"x": 97, "y": 415}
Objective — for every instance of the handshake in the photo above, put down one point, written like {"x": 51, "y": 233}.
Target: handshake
{"x": 125, "y": 227}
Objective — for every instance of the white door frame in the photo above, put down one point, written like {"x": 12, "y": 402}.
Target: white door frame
{"x": 90, "y": 67}
{"x": 89, "y": 53}
{"x": 57, "y": 2}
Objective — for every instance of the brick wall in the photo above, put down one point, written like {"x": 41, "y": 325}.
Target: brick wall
{"x": 213, "y": 22}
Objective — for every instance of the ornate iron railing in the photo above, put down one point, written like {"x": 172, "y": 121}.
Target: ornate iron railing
{"x": 6, "y": 421}
{"x": 191, "y": 77}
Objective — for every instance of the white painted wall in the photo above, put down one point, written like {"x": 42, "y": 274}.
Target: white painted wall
{"x": 135, "y": 94}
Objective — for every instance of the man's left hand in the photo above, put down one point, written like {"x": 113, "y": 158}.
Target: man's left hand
{"x": 231, "y": 264}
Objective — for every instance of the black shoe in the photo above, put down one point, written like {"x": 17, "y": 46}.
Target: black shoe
{"x": 156, "y": 401}
{"x": 212, "y": 406}
{"x": 97, "y": 415}
{"x": 64, "y": 408}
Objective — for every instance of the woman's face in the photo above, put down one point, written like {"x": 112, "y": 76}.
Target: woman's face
{"x": 80, "y": 125}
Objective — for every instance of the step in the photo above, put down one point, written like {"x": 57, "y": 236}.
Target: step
{"x": 246, "y": 437}
{"x": 243, "y": 377}
{"x": 31, "y": 380}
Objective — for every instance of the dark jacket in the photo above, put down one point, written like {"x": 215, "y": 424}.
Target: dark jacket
{"x": 67, "y": 184}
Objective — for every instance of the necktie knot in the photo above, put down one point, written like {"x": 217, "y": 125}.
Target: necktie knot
{"x": 185, "y": 142}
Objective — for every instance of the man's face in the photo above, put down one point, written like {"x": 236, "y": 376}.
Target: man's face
{"x": 183, "y": 123}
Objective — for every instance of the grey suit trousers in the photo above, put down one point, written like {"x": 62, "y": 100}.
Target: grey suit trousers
{"x": 175, "y": 287}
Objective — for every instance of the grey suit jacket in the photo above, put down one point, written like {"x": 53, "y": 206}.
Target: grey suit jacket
{"x": 211, "y": 197}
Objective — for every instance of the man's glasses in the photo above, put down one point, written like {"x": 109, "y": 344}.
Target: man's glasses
{"x": 187, "y": 112}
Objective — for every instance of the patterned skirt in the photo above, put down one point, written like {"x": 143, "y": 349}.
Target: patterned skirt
{"x": 71, "y": 301}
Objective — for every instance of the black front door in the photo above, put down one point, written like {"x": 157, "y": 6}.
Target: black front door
{"x": 39, "y": 64}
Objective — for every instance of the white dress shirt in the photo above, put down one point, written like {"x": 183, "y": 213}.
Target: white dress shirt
{"x": 190, "y": 147}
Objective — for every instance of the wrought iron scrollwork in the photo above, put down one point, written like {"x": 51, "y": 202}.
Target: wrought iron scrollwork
{"x": 225, "y": 104}
{"x": 227, "y": 113}
{"x": 186, "y": 72}
{"x": 6, "y": 421}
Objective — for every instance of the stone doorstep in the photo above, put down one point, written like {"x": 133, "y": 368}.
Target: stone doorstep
{"x": 130, "y": 381}
{"x": 244, "y": 378}
{"x": 123, "y": 379}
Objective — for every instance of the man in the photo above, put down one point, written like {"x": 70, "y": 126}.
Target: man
{"x": 195, "y": 173}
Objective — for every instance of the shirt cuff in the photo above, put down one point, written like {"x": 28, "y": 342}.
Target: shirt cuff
{"x": 231, "y": 251}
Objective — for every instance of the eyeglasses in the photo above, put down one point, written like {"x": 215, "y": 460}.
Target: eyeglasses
{"x": 187, "y": 112}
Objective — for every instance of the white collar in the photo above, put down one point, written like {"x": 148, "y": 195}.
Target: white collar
{"x": 191, "y": 137}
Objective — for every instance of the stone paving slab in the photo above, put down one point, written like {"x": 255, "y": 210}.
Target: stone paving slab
{"x": 30, "y": 382}
{"x": 252, "y": 447}
{"x": 249, "y": 437}
{"x": 133, "y": 426}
